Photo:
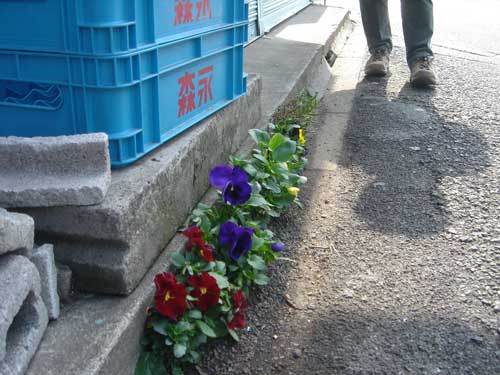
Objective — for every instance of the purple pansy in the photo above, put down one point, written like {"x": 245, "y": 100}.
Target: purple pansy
{"x": 238, "y": 239}
{"x": 233, "y": 182}
{"x": 278, "y": 247}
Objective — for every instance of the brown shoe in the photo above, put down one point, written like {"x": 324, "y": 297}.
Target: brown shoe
{"x": 378, "y": 63}
{"x": 422, "y": 72}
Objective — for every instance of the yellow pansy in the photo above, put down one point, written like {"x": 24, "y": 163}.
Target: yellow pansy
{"x": 302, "y": 139}
{"x": 294, "y": 191}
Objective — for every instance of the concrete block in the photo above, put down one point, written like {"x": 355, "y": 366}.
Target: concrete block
{"x": 43, "y": 258}
{"x": 100, "y": 335}
{"x": 16, "y": 232}
{"x": 54, "y": 171}
{"x": 64, "y": 282}
{"x": 23, "y": 316}
{"x": 110, "y": 246}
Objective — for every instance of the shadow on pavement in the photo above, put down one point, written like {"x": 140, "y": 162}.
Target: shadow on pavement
{"x": 405, "y": 148}
{"x": 376, "y": 342}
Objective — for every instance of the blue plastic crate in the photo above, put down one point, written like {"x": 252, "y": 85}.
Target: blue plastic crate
{"x": 140, "y": 100}
{"x": 100, "y": 27}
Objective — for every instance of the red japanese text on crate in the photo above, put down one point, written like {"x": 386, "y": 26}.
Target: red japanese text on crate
{"x": 184, "y": 12}
{"x": 187, "y": 90}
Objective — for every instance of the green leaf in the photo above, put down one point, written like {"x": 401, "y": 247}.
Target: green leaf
{"x": 273, "y": 186}
{"x": 179, "y": 350}
{"x": 273, "y": 213}
{"x": 205, "y": 328}
{"x": 257, "y": 200}
{"x": 161, "y": 327}
{"x": 257, "y": 241}
{"x": 234, "y": 335}
{"x": 221, "y": 280}
{"x": 178, "y": 260}
{"x": 292, "y": 126}
{"x": 261, "y": 158}
{"x": 256, "y": 188}
{"x": 220, "y": 328}
{"x": 220, "y": 267}
{"x": 250, "y": 169}
{"x": 176, "y": 370}
{"x": 257, "y": 262}
{"x": 261, "y": 279}
{"x": 259, "y": 136}
{"x": 150, "y": 363}
{"x": 276, "y": 141}
{"x": 195, "y": 356}
{"x": 183, "y": 327}
{"x": 262, "y": 175}
{"x": 208, "y": 267}
{"x": 200, "y": 339}
{"x": 285, "y": 151}
{"x": 195, "y": 314}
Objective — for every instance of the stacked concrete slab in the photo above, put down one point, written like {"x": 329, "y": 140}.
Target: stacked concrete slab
{"x": 28, "y": 291}
{"x": 16, "y": 233}
{"x": 54, "y": 171}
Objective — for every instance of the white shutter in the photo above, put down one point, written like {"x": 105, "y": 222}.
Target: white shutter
{"x": 253, "y": 21}
{"x": 276, "y": 11}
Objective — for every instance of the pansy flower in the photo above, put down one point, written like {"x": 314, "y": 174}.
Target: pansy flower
{"x": 293, "y": 191}
{"x": 206, "y": 291}
{"x": 302, "y": 139}
{"x": 278, "y": 247}
{"x": 237, "y": 239}
{"x": 233, "y": 182}
{"x": 195, "y": 240}
{"x": 206, "y": 253}
{"x": 170, "y": 297}
{"x": 240, "y": 305}
{"x": 193, "y": 232}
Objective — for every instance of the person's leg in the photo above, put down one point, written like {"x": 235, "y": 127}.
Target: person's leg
{"x": 375, "y": 16}
{"x": 418, "y": 26}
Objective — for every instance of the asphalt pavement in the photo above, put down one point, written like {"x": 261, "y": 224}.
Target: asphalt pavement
{"x": 394, "y": 262}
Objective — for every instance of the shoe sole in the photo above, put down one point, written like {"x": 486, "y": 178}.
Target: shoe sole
{"x": 423, "y": 80}
{"x": 376, "y": 69}
{"x": 376, "y": 72}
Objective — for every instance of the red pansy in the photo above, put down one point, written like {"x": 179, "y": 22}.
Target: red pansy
{"x": 194, "y": 234}
{"x": 238, "y": 321}
{"x": 206, "y": 253}
{"x": 170, "y": 297}
{"x": 205, "y": 290}
{"x": 240, "y": 305}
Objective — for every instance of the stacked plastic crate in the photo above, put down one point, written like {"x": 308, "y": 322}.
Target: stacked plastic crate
{"x": 141, "y": 71}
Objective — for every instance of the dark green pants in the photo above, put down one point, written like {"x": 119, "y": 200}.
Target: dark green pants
{"x": 418, "y": 24}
